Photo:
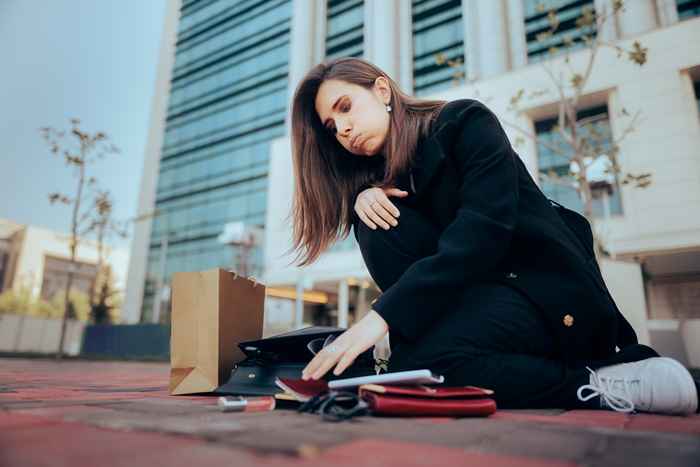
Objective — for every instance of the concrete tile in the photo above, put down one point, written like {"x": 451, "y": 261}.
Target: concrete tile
{"x": 12, "y": 421}
{"x": 391, "y": 453}
{"x": 76, "y": 445}
{"x": 642, "y": 451}
{"x": 162, "y": 406}
{"x": 597, "y": 418}
{"x": 661, "y": 423}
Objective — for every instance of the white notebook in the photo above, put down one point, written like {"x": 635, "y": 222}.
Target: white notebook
{"x": 398, "y": 377}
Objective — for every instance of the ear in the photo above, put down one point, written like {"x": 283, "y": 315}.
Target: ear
{"x": 383, "y": 90}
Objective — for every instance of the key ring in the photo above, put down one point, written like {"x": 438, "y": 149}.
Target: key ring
{"x": 336, "y": 406}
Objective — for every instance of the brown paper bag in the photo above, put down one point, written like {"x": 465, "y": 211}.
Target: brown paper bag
{"x": 212, "y": 311}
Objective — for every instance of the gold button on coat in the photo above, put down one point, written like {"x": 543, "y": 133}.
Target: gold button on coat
{"x": 568, "y": 321}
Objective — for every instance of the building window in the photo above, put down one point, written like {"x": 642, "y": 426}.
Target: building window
{"x": 688, "y": 9}
{"x": 55, "y": 276}
{"x": 438, "y": 45}
{"x": 555, "y": 164}
{"x": 566, "y": 35}
{"x": 344, "y": 28}
{"x": 4, "y": 259}
{"x": 673, "y": 295}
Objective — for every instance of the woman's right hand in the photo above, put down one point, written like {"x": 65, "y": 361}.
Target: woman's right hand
{"x": 374, "y": 208}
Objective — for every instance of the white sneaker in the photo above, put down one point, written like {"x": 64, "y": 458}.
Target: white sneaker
{"x": 658, "y": 384}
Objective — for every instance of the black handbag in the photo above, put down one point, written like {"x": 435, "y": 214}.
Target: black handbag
{"x": 285, "y": 356}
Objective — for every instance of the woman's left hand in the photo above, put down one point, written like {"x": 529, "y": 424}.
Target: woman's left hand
{"x": 347, "y": 346}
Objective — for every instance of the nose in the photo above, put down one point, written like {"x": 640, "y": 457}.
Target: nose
{"x": 344, "y": 129}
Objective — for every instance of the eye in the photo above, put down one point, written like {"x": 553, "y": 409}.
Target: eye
{"x": 345, "y": 107}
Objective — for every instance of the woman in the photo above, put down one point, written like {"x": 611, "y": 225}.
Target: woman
{"x": 483, "y": 279}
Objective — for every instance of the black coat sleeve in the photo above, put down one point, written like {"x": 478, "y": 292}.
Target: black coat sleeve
{"x": 475, "y": 241}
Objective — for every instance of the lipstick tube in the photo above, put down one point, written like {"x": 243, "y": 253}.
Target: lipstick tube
{"x": 251, "y": 404}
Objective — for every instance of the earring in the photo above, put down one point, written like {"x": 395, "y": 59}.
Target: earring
{"x": 388, "y": 108}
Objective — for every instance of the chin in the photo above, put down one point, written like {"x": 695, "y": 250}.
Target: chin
{"x": 370, "y": 152}
{"x": 362, "y": 152}
{"x": 366, "y": 152}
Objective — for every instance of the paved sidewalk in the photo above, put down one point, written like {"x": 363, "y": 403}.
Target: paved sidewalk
{"x": 85, "y": 413}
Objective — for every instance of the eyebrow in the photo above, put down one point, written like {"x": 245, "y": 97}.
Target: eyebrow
{"x": 335, "y": 104}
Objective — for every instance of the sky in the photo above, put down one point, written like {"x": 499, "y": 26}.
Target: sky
{"x": 91, "y": 59}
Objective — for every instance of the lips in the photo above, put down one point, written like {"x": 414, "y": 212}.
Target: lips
{"x": 354, "y": 142}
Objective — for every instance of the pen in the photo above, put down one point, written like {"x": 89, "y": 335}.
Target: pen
{"x": 251, "y": 404}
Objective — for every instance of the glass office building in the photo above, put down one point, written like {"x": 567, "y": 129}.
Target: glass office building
{"x": 227, "y": 102}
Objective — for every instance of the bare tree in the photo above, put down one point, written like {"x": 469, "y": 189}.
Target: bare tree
{"x": 592, "y": 156}
{"x": 106, "y": 300}
{"x": 103, "y": 225}
{"x": 79, "y": 150}
{"x": 457, "y": 65}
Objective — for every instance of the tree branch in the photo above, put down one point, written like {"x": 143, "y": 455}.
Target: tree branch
{"x": 536, "y": 139}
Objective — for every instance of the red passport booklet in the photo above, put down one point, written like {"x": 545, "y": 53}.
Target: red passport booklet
{"x": 302, "y": 390}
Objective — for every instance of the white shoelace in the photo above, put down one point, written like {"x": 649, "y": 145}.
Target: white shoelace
{"x": 603, "y": 387}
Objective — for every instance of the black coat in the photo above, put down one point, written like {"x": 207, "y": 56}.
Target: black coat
{"x": 496, "y": 225}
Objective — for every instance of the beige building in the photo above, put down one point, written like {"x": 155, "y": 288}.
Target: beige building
{"x": 39, "y": 259}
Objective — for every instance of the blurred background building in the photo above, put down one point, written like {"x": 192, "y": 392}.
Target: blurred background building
{"x": 218, "y": 156}
{"x": 37, "y": 260}
{"x": 34, "y": 266}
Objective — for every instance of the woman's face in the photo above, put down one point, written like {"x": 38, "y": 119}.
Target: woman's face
{"x": 354, "y": 115}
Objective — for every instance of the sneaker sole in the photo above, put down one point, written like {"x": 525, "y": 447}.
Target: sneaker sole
{"x": 691, "y": 394}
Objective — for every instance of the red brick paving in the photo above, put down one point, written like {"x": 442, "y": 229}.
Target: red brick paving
{"x": 32, "y": 441}
{"x": 85, "y": 413}
{"x": 392, "y": 453}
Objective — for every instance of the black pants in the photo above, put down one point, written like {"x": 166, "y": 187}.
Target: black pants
{"x": 494, "y": 339}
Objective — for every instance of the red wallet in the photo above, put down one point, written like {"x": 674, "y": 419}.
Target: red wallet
{"x": 415, "y": 401}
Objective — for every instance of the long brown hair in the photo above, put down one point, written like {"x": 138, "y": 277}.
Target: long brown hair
{"x": 327, "y": 177}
